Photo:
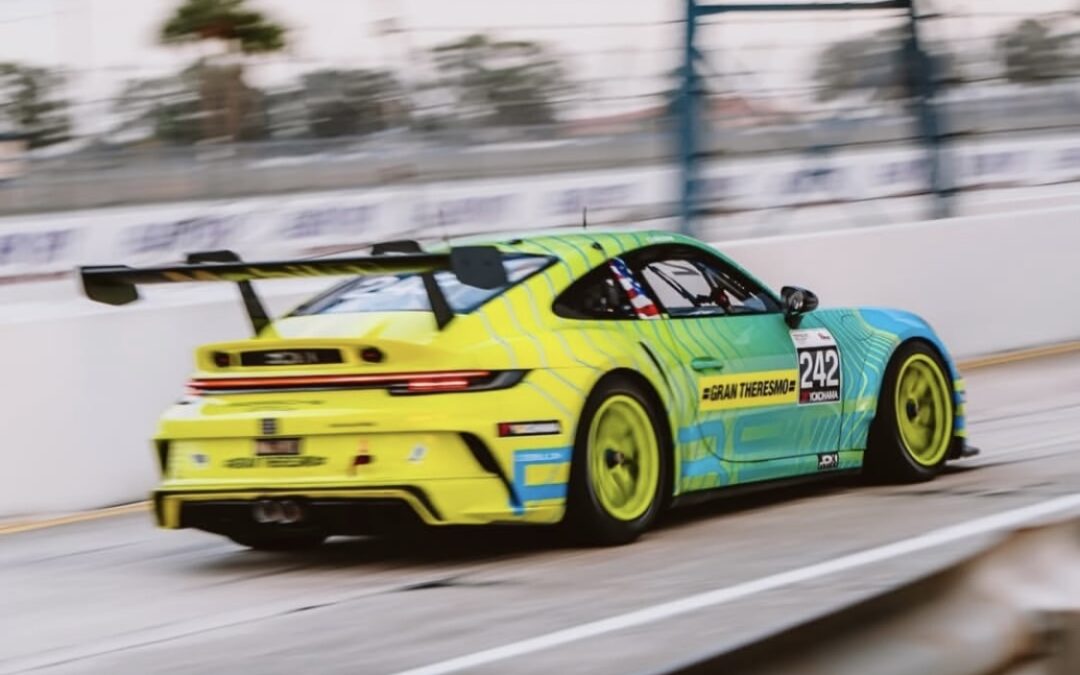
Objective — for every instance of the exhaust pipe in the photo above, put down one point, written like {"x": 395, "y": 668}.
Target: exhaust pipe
{"x": 291, "y": 512}
{"x": 265, "y": 511}
{"x": 286, "y": 512}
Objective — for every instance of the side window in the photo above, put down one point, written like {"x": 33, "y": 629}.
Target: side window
{"x": 679, "y": 285}
{"x": 689, "y": 282}
{"x": 597, "y": 295}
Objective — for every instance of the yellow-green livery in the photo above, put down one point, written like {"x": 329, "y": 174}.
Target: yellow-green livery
{"x": 590, "y": 379}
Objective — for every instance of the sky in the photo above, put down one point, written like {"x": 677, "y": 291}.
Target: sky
{"x": 619, "y": 48}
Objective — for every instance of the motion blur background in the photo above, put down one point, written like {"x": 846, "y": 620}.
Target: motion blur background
{"x": 482, "y": 115}
{"x": 818, "y": 148}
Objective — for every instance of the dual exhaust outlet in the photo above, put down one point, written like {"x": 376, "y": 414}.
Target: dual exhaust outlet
{"x": 277, "y": 512}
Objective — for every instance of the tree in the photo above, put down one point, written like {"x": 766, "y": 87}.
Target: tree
{"x": 500, "y": 81}
{"x": 31, "y": 104}
{"x": 188, "y": 107}
{"x": 876, "y": 66}
{"x": 1031, "y": 53}
{"x": 241, "y": 31}
{"x": 351, "y": 102}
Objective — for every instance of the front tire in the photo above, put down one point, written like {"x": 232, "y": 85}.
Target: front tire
{"x": 620, "y": 465}
{"x": 913, "y": 429}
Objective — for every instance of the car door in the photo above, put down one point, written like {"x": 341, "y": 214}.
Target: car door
{"x": 732, "y": 341}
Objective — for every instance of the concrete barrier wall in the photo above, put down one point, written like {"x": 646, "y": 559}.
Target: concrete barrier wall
{"x": 84, "y": 384}
{"x": 986, "y": 284}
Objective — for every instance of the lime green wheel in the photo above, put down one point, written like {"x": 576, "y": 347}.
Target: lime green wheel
{"x": 619, "y": 467}
{"x": 913, "y": 430}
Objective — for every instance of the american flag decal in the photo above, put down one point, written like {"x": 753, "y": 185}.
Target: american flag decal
{"x": 643, "y": 306}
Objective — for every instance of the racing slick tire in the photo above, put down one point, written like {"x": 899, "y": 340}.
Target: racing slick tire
{"x": 912, "y": 432}
{"x": 620, "y": 465}
{"x": 268, "y": 540}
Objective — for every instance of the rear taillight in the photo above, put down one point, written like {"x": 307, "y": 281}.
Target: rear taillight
{"x": 398, "y": 384}
{"x": 420, "y": 386}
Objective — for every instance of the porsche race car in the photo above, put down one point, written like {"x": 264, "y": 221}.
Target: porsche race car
{"x": 588, "y": 379}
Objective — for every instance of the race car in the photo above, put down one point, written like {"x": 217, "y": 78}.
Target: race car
{"x": 585, "y": 379}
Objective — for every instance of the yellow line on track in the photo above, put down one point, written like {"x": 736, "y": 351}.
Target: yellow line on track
{"x": 1019, "y": 355}
{"x": 968, "y": 364}
{"x": 28, "y": 525}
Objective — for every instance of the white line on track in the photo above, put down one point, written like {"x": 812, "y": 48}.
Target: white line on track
{"x": 719, "y": 596}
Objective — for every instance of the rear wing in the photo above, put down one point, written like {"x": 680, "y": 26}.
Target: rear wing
{"x": 479, "y": 266}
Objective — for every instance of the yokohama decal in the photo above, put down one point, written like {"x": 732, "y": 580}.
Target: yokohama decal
{"x": 819, "y": 366}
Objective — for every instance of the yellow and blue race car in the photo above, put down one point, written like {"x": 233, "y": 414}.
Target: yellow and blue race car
{"x": 590, "y": 379}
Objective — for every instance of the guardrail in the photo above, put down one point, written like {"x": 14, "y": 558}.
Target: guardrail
{"x": 1011, "y": 609}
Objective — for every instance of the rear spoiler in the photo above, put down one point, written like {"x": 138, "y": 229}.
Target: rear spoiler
{"x": 479, "y": 266}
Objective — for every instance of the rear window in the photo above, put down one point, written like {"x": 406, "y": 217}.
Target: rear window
{"x": 405, "y": 292}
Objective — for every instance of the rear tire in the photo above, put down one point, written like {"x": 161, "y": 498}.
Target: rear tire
{"x": 620, "y": 465}
{"x": 278, "y": 541}
{"x": 913, "y": 429}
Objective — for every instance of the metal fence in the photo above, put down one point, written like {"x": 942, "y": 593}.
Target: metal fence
{"x": 773, "y": 85}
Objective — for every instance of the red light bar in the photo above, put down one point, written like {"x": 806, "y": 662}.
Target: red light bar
{"x": 438, "y": 385}
{"x": 424, "y": 381}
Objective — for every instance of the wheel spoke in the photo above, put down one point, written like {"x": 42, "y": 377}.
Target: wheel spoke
{"x": 625, "y": 484}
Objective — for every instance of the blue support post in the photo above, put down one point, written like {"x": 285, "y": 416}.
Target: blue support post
{"x": 923, "y": 90}
{"x": 687, "y": 109}
{"x": 689, "y": 98}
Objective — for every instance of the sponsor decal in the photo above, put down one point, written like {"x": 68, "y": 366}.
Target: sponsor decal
{"x": 748, "y": 390}
{"x": 828, "y": 461}
{"x": 470, "y": 210}
{"x": 331, "y": 221}
{"x": 593, "y": 197}
{"x": 819, "y": 366}
{"x": 290, "y": 358}
{"x": 36, "y": 248}
{"x": 202, "y": 233}
{"x": 272, "y": 462}
{"x": 536, "y": 456}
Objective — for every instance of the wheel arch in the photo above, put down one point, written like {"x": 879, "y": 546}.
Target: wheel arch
{"x": 959, "y": 431}
{"x": 881, "y": 431}
{"x": 875, "y": 335}
{"x": 890, "y": 361}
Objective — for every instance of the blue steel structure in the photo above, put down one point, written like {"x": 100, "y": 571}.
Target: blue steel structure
{"x": 921, "y": 79}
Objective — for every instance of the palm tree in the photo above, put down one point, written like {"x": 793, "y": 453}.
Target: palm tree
{"x": 241, "y": 31}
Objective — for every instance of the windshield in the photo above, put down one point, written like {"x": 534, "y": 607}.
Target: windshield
{"x": 405, "y": 292}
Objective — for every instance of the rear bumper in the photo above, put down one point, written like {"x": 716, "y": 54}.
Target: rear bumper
{"x": 324, "y": 515}
{"x": 351, "y": 509}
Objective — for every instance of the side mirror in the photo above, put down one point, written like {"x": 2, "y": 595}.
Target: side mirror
{"x": 797, "y": 301}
